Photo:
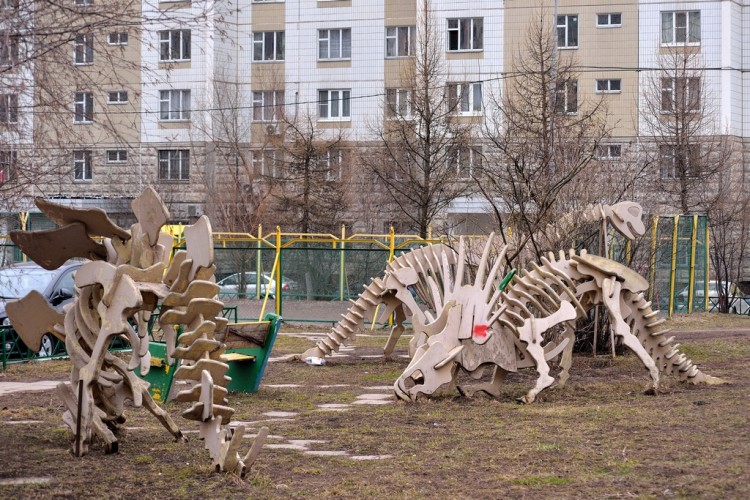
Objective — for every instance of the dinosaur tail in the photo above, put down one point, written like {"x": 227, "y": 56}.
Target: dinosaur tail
{"x": 653, "y": 335}
{"x": 345, "y": 329}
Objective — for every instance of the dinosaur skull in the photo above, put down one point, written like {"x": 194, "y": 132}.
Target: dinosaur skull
{"x": 429, "y": 370}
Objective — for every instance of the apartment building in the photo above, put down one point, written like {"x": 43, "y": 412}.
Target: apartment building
{"x": 177, "y": 91}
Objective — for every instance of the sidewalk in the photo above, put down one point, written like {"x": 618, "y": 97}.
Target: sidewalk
{"x": 42, "y": 385}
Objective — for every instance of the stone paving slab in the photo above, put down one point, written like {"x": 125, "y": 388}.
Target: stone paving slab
{"x": 42, "y": 385}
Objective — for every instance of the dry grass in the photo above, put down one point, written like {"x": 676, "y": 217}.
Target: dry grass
{"x": 600, "y": 436}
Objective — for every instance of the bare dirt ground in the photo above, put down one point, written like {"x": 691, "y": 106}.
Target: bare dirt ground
{"x": 600, "y": 436}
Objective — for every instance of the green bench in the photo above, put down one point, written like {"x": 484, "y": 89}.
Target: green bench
{"x": 249, "y": 346}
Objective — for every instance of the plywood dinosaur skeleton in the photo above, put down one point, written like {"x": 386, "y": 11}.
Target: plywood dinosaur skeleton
{"x": 460, "y": 324}
{"x": 129, "y": 275}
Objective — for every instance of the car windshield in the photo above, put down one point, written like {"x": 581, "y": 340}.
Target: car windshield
{"x": 15, "y": 283}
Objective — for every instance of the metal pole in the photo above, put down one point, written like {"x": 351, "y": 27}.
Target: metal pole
{"x": 691, "y": 279}
{"x": 673, "y": 267}
{"x": 342, "y": 263}
{"x": 278, "y": 270}
{"x": 708, "y": 263}
{"x": 652, "y": 271}
{"x": 258, "y": 259}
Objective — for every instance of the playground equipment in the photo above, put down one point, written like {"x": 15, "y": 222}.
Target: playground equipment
{"x": 469, "y": 325}
{"x": 131, "y": 274}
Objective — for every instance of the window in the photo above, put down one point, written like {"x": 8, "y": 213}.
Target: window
{"x": 9, "y": 4}
{"x": 266, "y": 162}
{"x": 268, "y": 46}
{"x": 399, "y": 41}
{"x": 8, "y": 109}
{"x": 83, "y": 52}
{"x": 331, "y": 163}
{"x": 117, "y": 97}
{"x": 174, "y": 45}
{"x": 118, "y": 39}
{"x": 678, "y": 162}
{"x": 566, "y": 97}
{"x": 8, "y": 165}
{"x": 567, "y": 31}
{"x": 8, "y": 49}
{"x": 398, "y": 103}
{"x": 609, "y": 151}
{"x": 612, "y": 20}
{"x": 681, "y": 28}
{"x": 84, "y": 3}
{"x": 83, "y": 107}
{"x": 117, "y": 156}
{"x": 334, "y": 104}
{"x": 82, "y": 170}
{"x": 267, "y": 105}
{"x": 465, "y": 98}
{"x": 466, "y": 161}
{"x": 608, "y": 86}
{"x": 335, "y": 44}
{"x": 174, "y": 164}
{"x": 465, "y": 34}
{"x": 680, "y": 95}
{"x": 174, "y": 105}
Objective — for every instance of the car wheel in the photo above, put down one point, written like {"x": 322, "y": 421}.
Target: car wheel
{"x": 48, "y": 346}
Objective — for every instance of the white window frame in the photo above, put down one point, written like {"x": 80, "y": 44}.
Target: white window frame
{"x": 672, "y": 90}
{"x": 8, "y": 165}
{"x": 83, "y": 49}
{"x": 263, "y": 41}
{"x": 467, "y": 33}
{"x": 567, "y": 37}
{"x": 568, "y": 92}
{"x": 117, "y": 156}
{"x": 465, "y": 160}
{"x": 668, "y": 158}
{"x": 672, "y": 30}
{"x": 400, "y": 41}
{"x": 83, "y": 107}
{"x": 84, "y": 3}
{"x": 267, "y": 163}
{"x": 175, "y": 45}
{"x": 83, "y": 170}
{"x": 117, "y": 97}
{"x": 610, "y": 20}
{"x": 117, "y": 38}
{"x": 608, "y": 85}
{"x": 174, "y": 105}
{"x": 9, "y": 4}
{"x": 8, "y": 109}
{"x": 267, "y": 105}
{"x": 334, "y": 104}
{"x": 332, "y": 47}
{"x": 398, "y": 102}
{"x": 332, "y": 163}
{"x": 465, "y": 98}
{"x": 609, "y": 152}
{"x": 9, "y": 48}
{"x": 175, "y": 163}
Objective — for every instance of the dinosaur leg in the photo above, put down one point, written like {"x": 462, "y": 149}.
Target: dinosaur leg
{"x": 396, "y": 331}
{"x": 567, "y": 356}
{"x": 611, "y": 292}
{"x": 491, "y": 388}
{"x": 531, "y": 334}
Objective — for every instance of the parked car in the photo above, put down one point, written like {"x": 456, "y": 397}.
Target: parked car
{"x": 229, "y": 287}
{"x": 739, "y": 303}
{"x": 56, "y": 286}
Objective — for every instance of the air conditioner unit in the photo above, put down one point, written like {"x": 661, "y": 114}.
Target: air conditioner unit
{"x": 195, "y": 210}
{"x": 273, "y": 130}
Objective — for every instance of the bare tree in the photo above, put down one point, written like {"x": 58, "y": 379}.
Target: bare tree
{"x": 424, "y": 149}
{"x": 543, "y": 140}
{"x": 679, "y": 114}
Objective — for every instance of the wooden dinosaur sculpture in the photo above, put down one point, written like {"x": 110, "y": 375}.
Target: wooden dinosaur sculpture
{"x": 460, "y": 324}
{"x": 130, "y": 275}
